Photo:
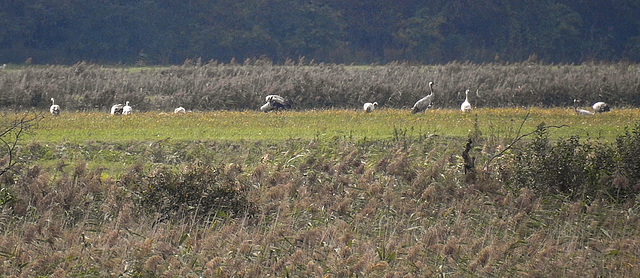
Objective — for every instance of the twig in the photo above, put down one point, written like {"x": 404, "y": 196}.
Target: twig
{"x": 11, "y": 134}
{"x": 516, "y": 139}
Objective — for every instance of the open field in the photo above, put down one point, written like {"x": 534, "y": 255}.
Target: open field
{"x": 77, "y": 130}
{"x": 382, "y": 124}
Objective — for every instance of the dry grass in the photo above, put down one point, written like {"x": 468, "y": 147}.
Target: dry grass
{"x": 215, "y": 87}
{"x": 326, "y": 208}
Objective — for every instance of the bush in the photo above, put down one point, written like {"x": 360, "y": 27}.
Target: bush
{"x": 198, "y": 191}
{"x": 628, "y": 149}
{"x": 579, "y": 170}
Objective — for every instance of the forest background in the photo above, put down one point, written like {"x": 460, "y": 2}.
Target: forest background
{"x": 345, "y": 31}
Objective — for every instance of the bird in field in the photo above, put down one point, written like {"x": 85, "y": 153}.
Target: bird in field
{"x": 424, "y": 103}
{"x": 368, "y": 107}
{"x": 600, "y": 107}
{"x": 126, "y": 110}
{"x": 274, "y": 102}
{"x": 266, "y": 107}
{"x": 54, "y": 109}
{"x": 180, "y": 110}
{"x": 580, "y": 112}
{"x": 277, "y": 101}
{"x": 116, "y": 109}
{"x": 466, "y": 106}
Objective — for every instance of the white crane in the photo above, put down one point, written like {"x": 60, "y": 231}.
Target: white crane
{"x": 267, "y": 107}
{"x": 275, "y": 99}
{"x": 368, "y": 107}
{"x": 126, "y": 110}
{"x": 600, "y": 107}
{"x": 424, "y": 103}
{"x": 580, "y": 112}
{"x": 466, "y": 106}
{"x": 180, "y": 110}
{"x": 274, "y": 102}
{"x": 116, "y": 109}
{"x": 54, "y": 109}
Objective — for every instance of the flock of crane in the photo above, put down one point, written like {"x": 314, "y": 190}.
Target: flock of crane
{"x": 276, "y": 102}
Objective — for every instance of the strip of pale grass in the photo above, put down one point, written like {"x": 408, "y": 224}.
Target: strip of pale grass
{"x": 381, "y": 124}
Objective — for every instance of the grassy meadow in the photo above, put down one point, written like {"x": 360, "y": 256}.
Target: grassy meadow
{"x": 383, "y": 124}
{"x": 323, "y": 190}
{"x": 76, "y": 130}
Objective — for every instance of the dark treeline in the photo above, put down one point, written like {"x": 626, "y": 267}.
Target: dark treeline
{"x": 336, "y": 31}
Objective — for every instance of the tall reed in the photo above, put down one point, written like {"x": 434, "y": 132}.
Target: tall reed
{"x": 216, "y": 86}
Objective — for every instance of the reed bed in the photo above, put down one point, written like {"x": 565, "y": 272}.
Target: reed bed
{"x": 213, "y": 86}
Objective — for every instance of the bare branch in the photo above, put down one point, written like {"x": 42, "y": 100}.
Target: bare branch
{"x": 11, "y": 131}
{"x": 516, "y": 140}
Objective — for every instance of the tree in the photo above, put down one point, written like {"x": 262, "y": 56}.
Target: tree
{"x": 340, "y": 31}
{"x": 553, "y": 31}
{"x": 422, "y": 37}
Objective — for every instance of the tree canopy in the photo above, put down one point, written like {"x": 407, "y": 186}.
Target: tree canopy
{"x": 336, "y": 31}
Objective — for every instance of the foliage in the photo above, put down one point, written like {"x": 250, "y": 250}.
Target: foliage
{"x": 198, "y": 192}
{"x": 580, "y": 170}
{"x": 363, "y": 32}
{"x": 627, "y": 150}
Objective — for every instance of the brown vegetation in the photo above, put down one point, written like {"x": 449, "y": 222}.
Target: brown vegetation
{"x": 214, "y": 86}
{"x": 324, "y": 208}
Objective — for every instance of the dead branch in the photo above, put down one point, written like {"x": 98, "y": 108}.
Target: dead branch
{"x": 11, "y": 130}
{"x": 516, "y": 140}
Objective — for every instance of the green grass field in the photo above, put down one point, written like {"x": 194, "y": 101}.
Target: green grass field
{"x": 382, "y": 124}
